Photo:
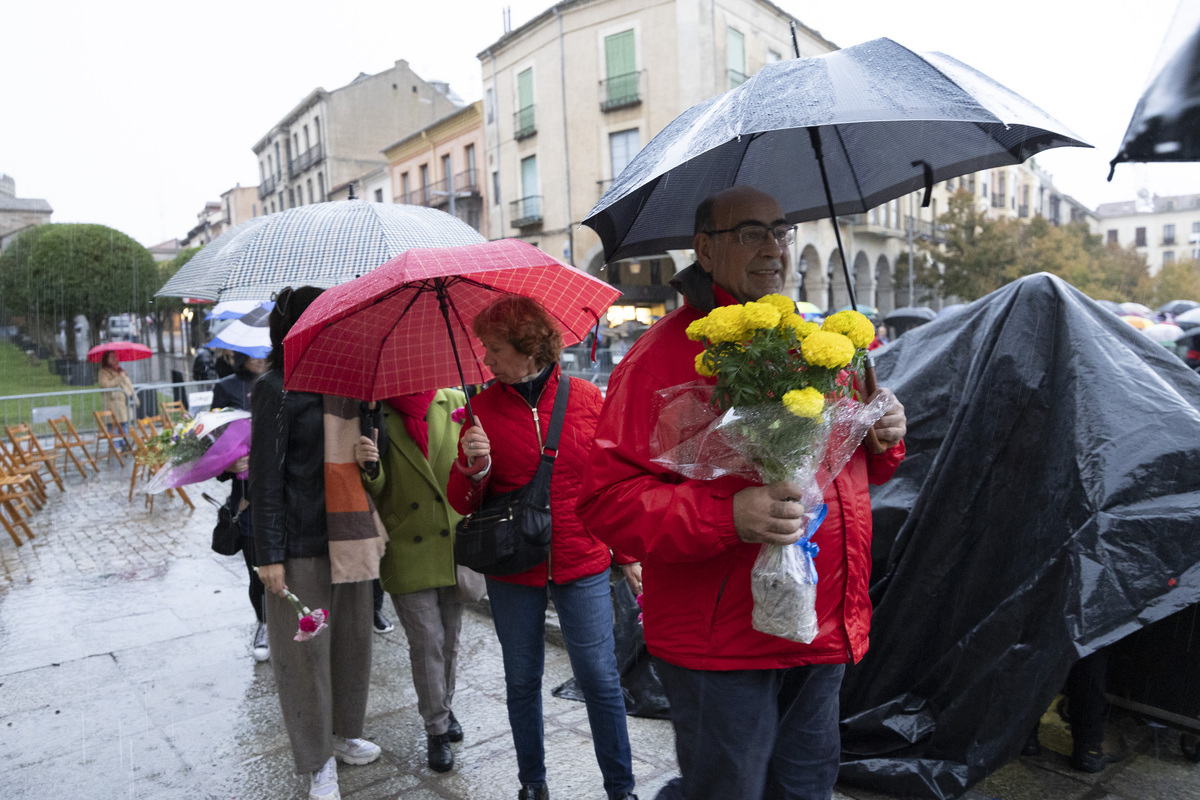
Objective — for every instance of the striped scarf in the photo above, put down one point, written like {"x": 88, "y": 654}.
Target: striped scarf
{"x": 356, "y": 534}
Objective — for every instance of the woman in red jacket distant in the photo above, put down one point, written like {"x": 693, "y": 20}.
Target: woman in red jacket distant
{"x": 501, "y": 453}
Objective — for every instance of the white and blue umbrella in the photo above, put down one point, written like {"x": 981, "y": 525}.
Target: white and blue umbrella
{"x": 323, "y": 245}
{"x": 249, "y": 334}
{"x": 233, "y": 309}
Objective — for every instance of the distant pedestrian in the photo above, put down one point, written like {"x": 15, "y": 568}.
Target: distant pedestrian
{"x": 113, "y": 376}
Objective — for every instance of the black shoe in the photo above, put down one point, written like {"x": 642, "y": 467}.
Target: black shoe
{"x": 455, "y": 730}
{"x": 534, "y": 791}
{"x": 440, "y": 757}
{"x": 1088, "y": 759}
{"x": 383, "y": 624}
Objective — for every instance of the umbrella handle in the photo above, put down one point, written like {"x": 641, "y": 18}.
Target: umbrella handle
{"x": 870, "y": 384}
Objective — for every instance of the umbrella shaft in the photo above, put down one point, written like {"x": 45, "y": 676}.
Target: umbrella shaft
{"x": 815, "y": 136}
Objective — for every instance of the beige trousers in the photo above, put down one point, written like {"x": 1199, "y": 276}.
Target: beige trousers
{"x": 322, "y": 682}
{"x": 432, "y": 619}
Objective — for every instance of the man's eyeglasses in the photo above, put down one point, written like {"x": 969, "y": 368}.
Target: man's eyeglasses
{"x": 752, "y": 234}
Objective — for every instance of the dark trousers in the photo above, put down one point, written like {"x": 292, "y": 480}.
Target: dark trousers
{"x": 257, "y": 589}
{"x": 750, "y": 734}
{"x": 1086, "y": 704}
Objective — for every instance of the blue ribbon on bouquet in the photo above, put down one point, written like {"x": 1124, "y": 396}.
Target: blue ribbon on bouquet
{"x": 806, "y": 544}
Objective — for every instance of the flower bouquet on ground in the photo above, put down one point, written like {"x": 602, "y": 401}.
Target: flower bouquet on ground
{"x": 199, "y": 449}
{"x": 783, "y": 405}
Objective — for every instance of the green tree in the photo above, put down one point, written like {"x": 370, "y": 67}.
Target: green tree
{"x": 1179, "y": 280}
{"x": 70, "y": 269}
{"x": 166, "y": 308}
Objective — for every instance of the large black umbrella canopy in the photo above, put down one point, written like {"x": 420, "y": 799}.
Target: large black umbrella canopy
{"x": 889, "y": 122}
{"x": 1166, "y": 121}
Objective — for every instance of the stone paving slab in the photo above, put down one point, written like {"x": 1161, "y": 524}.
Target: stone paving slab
{"x": 125, "y": 672}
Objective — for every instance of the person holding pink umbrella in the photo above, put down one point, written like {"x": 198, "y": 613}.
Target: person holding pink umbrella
{"x": 113, "y": 376}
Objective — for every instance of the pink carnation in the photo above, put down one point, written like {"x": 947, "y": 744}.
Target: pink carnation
{"x": 458, "y": 415}
{"x": 311, "y": 624}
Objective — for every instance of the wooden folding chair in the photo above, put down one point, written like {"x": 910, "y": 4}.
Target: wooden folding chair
{"x": 147, "y": 459}
{"x": 66, "y": 438}
{"x": 173, "y": 412}
{"x": 27, "y": 448}
{"x": 10, "y": 498}
{"x": 104, "y": 419}
{"x": 34, "y": 490}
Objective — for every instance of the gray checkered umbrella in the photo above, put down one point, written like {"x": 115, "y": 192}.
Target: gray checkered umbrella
{"x": 323, "y": 245}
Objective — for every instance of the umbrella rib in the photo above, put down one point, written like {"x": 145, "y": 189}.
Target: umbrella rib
{"x": 853, "y": 173}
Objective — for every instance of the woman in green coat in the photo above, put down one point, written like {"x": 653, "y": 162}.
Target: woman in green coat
{"x": 406, "y": 473}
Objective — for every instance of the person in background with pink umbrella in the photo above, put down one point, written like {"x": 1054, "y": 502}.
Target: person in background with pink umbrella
{"x": 113, "y": 376}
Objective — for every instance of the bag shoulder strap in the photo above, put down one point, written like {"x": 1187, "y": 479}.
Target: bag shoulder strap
{"x": 558, "y": 415}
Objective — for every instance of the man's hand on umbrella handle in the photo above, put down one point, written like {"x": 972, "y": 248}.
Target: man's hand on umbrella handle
{"x": 272, "y": 577}
{"x": 769, "y": 514}
{"x": 365, "y": 452}
{"x": 892, "y": 426}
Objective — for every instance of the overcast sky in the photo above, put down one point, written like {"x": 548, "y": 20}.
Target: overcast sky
{"x": 133, "y": 114}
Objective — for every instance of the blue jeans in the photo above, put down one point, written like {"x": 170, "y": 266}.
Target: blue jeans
{"x": 585, "y": 613}
{"x": 750, "y": 734}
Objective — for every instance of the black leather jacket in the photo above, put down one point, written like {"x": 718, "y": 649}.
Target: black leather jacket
{"x": 287, "y": 472}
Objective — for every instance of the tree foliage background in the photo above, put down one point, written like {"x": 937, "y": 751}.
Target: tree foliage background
{"x": 57, "y": 271}
{"x": 981, "y": 254}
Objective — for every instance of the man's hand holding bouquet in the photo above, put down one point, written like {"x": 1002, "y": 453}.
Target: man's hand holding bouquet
{"x": 784, "y": 403}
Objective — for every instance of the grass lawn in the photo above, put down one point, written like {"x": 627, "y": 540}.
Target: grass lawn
{"x": 18, "y": 377}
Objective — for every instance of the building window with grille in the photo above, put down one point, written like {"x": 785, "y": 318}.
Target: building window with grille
{"x": 379, "y": 195}
{"x": 495, "y": 187}
{"x": 1168, "y": 257}
{"x": 489, "y": 106}
{"x": 447, "y": 170}
{"x": 735, "y": 56}
{"x": 404, "y": 198}
{"x": 1139, "y": 237}
{"x": 321, "y": 186}
{"x": 1168, "y": 234}
{"x": 1113, "y": 237}
{"x": 310, "y": 194}
{"x": 317, "y": 130}
{"x": 424, "y": 171}
{"x": 622, "y": 147}
{"x": 292, "y": 197}
{"x": 529, "y": 188}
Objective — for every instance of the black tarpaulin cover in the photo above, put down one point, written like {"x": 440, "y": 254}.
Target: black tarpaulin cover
{"x": 1049, "y": 505}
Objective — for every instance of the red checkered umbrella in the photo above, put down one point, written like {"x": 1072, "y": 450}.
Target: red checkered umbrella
{"x": 401, "y": 328}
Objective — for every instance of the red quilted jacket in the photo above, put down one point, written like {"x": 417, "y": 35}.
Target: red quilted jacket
{"x": 516, "y": 447}
{"x": 695, "y": 569}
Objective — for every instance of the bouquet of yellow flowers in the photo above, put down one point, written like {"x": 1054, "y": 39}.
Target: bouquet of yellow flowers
{"x": 783, "y": 403}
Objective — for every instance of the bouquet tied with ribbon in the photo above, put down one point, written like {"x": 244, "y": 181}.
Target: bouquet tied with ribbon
{"x": 200, "y": 448}
{"x": 783, "y": 407}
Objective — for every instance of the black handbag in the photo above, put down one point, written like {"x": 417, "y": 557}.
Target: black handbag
{"x": 227, "y": 534}
{"x": 510, "y": 532}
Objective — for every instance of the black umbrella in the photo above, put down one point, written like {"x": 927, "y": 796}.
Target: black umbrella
{"x": 833, "y": 134}
{"x": 1166, "y": 121}
{"x": 1176, "y": 307}
{"x": 908, "y": 317}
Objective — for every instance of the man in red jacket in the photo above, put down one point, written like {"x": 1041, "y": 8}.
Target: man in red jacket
{"x": 755, "y": 716}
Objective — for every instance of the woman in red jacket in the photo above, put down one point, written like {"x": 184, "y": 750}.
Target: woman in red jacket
{"x": 499, "y": 454}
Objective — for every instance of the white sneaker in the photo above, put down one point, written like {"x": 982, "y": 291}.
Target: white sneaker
{"x": 355, "y": 751}
{"x": 323, "y": 784}
{"x": 262, "y": 644}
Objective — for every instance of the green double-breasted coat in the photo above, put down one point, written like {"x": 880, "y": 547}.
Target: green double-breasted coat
{"x": 410, "y": 495}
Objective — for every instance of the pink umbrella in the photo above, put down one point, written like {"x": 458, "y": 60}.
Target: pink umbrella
{"x": 126, "y": 351}
{"x": 400, "y": 328}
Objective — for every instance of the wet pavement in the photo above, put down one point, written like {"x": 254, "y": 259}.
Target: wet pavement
{"x": 125, "y": 672}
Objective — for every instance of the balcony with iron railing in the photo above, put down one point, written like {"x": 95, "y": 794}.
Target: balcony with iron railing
{"x": 622, "y": 91}
{"x": 998, "y": 200}
{"x": 467, "y": 181}
{"x": 305, "y": 160}
{"x": 926, "y": 229}
{"x": 1168, "y": 240}
{"x": 524, "y": 123}
{"x": 526, "y": 212}
{"x": 266, "y": 188}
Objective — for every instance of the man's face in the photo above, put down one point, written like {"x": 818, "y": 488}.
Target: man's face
{"x": 747, "y": 273}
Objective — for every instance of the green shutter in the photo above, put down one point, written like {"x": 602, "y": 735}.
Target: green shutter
{"x": 525, "y": 120}
{"x": 620, "y": 68}
{"x": 735, "y": 56}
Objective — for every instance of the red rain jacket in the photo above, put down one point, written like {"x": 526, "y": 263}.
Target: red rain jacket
{"x": 695, "y": 569}
{"x": 516, "y": 448}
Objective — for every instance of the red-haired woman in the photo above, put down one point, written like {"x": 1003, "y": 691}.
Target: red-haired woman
{"x": 501, "y": 453}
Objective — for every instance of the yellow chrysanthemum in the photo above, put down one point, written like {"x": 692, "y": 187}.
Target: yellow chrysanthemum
{"x": 698, "y": 329}
{"x": 806, "y": 402}
{"x": 827, "y": 349}
{"x": 756, "y": 316}
{"x": 785, "y": 304}
{"x": 702, "y": 366}
{"x": 724, "y": 324}
{"x": 800, "y": 325}
{"x": 854, "y": 325}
